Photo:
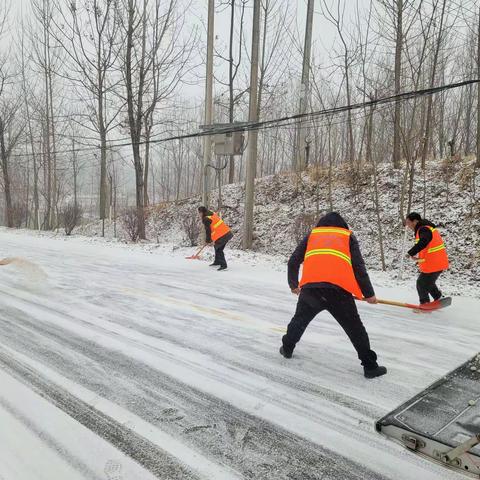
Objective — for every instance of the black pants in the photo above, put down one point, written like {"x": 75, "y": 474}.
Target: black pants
{"x": 426, "y": 286}
{"x": 219, "y": 246}
{"x": 342, "y": 307}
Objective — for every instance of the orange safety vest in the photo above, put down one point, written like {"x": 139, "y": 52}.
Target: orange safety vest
{"x": 218, "y": 227}
{"x": 328, "y": 259}
{"x": 433, "y": 258}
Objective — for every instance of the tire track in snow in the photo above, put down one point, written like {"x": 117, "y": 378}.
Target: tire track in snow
{"x": 250, "y": 365}
{"x": 51, "y": 442}
{"x": 97, "y": 295}
{"x": 249, "y": 360}
{"x": 254, "y": 447}
{"x": 124, "y": 439}
{"x": 110, "y": 335}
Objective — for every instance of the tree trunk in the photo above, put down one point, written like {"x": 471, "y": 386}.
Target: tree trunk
{"x": 47, "y": 218}
{"x": 330, "y": 168}
{"x": 103, "y": 144}
{"x": 468, "y": 98}
{"x": 134, "y": 114}
{"x": 426, "y": 137}
{"x": 398, "y": 70}
{"x": 231, "y": 106}
{"x": 477, "y": 163}
{"x": 350, "y": 139}
{"x": 6, "y": 177}
{"x": 36, "y": 222}
{"x": 148, "y": 132}
{"x": 75, "y": 174}
{"x": 55, "y": 195}
{"x": 371, "y": 159}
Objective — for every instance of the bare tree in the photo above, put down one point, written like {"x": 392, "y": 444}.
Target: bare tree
{"x": 234, "y": 60}
{"x": 28, "y": 97}
{"x": 398, "y": 72}
{"x": 46, "y": 57}
{"x": 87, "y": 31}
{"x": 371, "y": 160}
{"x": 348, "y": 56}
{"x": 428, "y": 120}
{"x": 153, "y": 61}
{"x": 396, "y": 18}
{"x": 11, "y": 128}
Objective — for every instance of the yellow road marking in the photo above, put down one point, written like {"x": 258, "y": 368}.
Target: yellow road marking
{"x": 223, "y": 314}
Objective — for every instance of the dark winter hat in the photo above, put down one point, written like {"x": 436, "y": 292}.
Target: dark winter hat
{"x": 412, "y": 216}
{"x": 332, "y": 219}
{"x": 203, "y": 209}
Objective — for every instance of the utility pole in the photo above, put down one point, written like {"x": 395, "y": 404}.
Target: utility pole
{"x": 207, "y": 139}
{"x": 477, "y": 163}
{"x": 299, "y": 157}
{"x": 253, "y": 135}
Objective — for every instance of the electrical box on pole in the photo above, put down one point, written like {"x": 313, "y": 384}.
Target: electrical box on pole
{"x": 229, "y": 143}
{"x": 226, "y": 143}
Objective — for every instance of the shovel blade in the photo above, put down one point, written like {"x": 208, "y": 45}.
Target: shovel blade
{"x": 437, "y": 304}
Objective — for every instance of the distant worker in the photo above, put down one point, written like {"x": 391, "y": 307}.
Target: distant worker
{"x": 218, "y": 232}
{"x": 333, "y": 272}
{"x": 430, "y": 254}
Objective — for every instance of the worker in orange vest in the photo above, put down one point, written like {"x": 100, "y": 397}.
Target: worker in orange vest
{"x": 333, "y": 273}
{"x": 430, "y": 254}
{"x": 216, "y": 232}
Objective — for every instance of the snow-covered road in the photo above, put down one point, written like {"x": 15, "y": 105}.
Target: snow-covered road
{"x": 118, "y": 364}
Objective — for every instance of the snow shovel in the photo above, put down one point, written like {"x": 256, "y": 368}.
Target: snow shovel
{"x": 196, "y": 256}
{"x": 435, "y": 305}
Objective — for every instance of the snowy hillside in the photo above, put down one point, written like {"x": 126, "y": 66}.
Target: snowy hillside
{"x": 450, "y": 202}
{"x": 117, "y": 363}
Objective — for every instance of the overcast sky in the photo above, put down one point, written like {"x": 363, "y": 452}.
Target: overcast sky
{"x": 324, "y": 33}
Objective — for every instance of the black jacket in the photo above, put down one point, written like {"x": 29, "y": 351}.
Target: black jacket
{"x": 424, "y": 237}
{"x": 331, "y": 220}
{"x": 207, "y": 222}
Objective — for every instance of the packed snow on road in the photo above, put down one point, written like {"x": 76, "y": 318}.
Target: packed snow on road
{"x": 119, "y": 363}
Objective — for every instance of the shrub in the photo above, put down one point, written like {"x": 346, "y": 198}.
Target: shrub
{"x": 303, "y": 225}
{"x": 191, "y": 227}
{"x": 129, "y": 219}
{"x": 71, "y": 216}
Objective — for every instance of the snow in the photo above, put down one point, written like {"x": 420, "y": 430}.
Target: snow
{"x": 131, "y": 362}
{"x": 280, "y": 200}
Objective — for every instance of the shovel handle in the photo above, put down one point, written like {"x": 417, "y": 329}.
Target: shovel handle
{"x": 196, "y": 255}
{"x": 394, "y": 303}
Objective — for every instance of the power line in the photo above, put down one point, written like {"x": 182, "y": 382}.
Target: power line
{"x": 285, "y": 121}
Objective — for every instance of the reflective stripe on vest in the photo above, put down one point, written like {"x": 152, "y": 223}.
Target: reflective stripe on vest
{"x": 328, "y": 259}
{"x": 329, "y": 251}
{"x": 218, "y": 228}
{"x": 434, "y": 257}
